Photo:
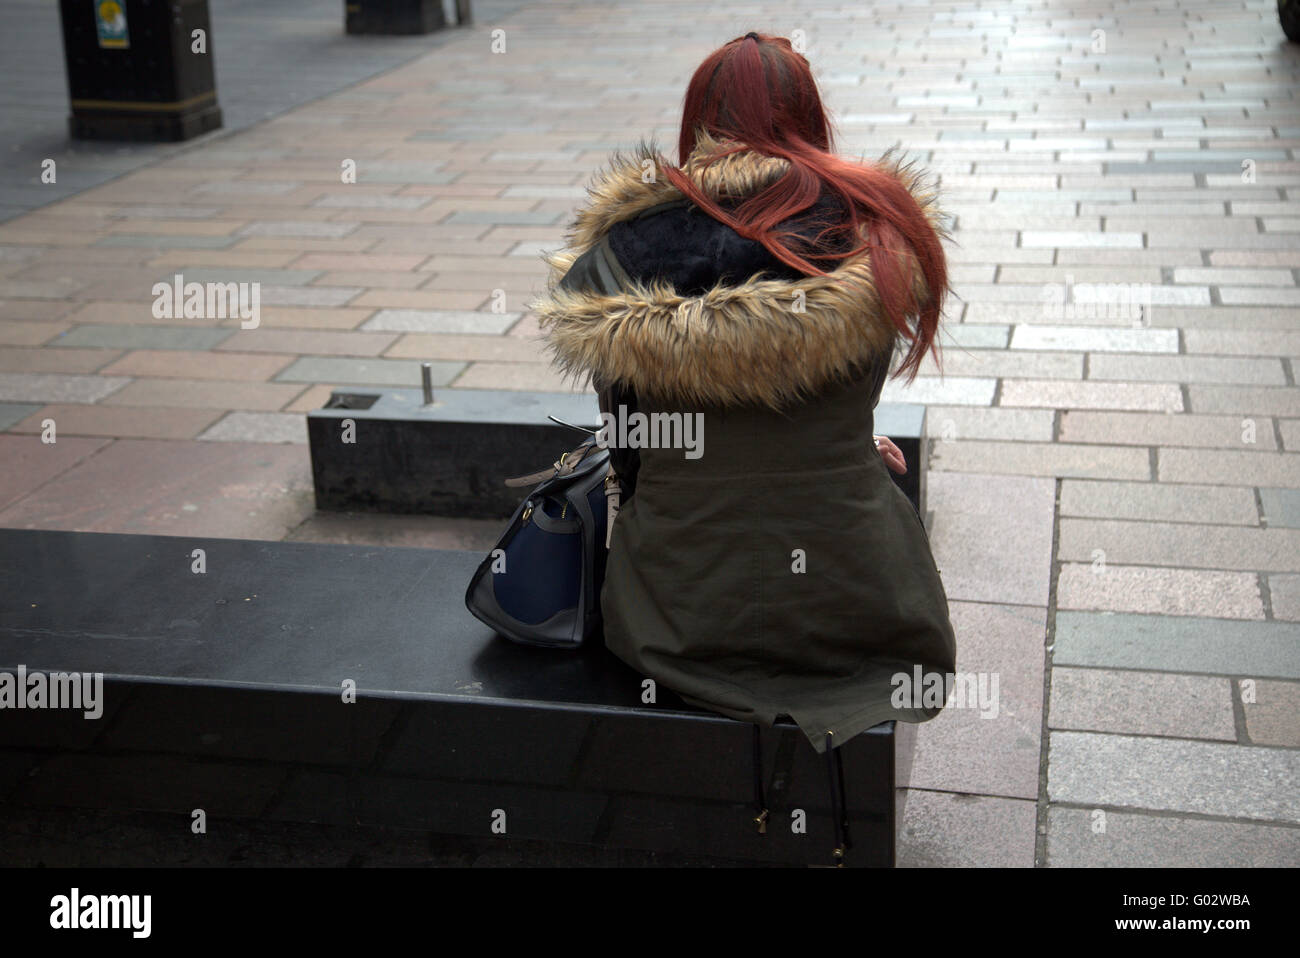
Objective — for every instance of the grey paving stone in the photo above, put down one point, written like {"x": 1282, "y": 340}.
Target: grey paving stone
{"x": 1126, "y": 258}
{"x": 308, "y": 295}
{"x": 1063, "y": 394}
{"x": 1187, "y": 369}
{"x": 1235, "y": 318}
{"x": 958, "y": 423}
{"x": 167, "y": 212}
{"x": 1066, "y": 239}
{"x": 372, "y": 201}
{"x": 1040, "y": 459}
{"x": 949, "y": 391}
{"x": 1176, "y": 644}
{"x": 1003, "y": 293}
{"x": 307, "y": 229}
{"x": 1179, "y": 544}
{"x": 440, "y": 321}
{"x": 1110, "y": 587}
{"x": 999, "y": 363}
{"x": 1290, "y": 428}
{"x": 258, "y": 427}
{"x": 247, "y": 187}
{"x": 1281, "y": 507}
{"x": 1175, "y": 166}
{"x": 1234, "y": 277}
{"x": 1093, "y": 339}
{"x": 1156, "y": 501}
{"x": 946, "y": 830}
{"x": 1252, "y": 400}
{"x": 1174, "y": 775}
{"x": 985, "y": 553}
{"x": 1274, "y": 469}
{"x": 386, "y": 171}
{"x": 1165, "y": 429}
{"x": 962, "y": 751}
{"x": 1258, "y": 296}
{"x": 145, "y": 337}
{"x": 1142, "y": 703}
{"x": 57, "y": 388}
{"x": 1284, "y": 591}
{"x": 1273, "y": 718}
{"x": 506, "y": 218}
{"x": 166, "y": 241}
{"x": 973, "y": 336}
{"x": 365, "y": 372}
{"x": 1037, "y": 314}
{"x": 545, "y": 192}
{"x": 12, "y": 412}
{"x": 19, "y": 254}
{"x": 60, "y": 288}
{"x": 1131, "y": 840}
{"x": 242, "y": 274}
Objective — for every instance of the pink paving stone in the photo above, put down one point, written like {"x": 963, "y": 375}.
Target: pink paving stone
{"x": 357, "y": 261}
{"x": 155, "y": 487}
{"x": 120, "y": 421}
{"x": 26, "y": 463}
{"x": 199, "y": 364}
{"x": 17, "y": 333}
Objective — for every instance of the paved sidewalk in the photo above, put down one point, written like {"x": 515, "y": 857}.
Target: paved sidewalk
{"x": 1116, "y": 500}
{"x": 268, "y": 57}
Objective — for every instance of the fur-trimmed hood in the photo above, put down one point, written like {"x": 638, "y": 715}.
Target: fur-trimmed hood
{"x": 766, "y": 341}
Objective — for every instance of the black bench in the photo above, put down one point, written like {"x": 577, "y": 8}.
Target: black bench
{"x": 450, "y": 457}
{"x": 223, "y": 691}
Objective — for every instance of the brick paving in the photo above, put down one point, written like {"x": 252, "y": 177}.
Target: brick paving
{"x": 1114, "y": 498}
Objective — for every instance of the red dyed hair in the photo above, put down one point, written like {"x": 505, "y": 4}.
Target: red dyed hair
{"x": 757, "y": 91}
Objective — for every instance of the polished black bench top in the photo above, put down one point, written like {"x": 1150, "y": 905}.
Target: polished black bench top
{"x": 282, "y": 615}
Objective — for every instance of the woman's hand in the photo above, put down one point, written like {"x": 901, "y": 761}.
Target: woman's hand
{"x": 892, "y": 455}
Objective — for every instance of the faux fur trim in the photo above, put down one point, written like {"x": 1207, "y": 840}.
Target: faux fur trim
{"x": 731, "y": 345}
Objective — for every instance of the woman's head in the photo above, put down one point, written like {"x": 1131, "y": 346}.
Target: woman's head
{"x": 759, "y": 93}
{"x": 756, "y": 89}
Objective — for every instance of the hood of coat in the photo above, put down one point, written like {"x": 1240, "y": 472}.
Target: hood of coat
{"x": 767, "y": 341}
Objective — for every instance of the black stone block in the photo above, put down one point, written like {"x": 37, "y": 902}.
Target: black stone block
{"x": 249, "y": 724}
{"x": 159, "y": 783}
{"x": 227, "y": 690}
{"x": 451, "y": 458}
{"x": 468, "y": 808}
{"x": 393, "y": 17}
{"x": 445, "y": 741}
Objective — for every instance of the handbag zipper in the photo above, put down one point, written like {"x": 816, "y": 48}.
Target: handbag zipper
{"x": 528, "y": 511}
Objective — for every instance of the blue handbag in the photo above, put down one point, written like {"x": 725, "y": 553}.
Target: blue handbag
{"x": 540, "y": 584}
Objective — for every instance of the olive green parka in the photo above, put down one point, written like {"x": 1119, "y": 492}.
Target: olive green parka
{"x": 782, "y": 572}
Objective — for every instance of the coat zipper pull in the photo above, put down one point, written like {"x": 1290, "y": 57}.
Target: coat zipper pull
{"x": 613, "y": 496}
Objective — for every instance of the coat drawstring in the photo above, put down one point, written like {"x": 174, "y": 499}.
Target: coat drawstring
{"x": 839, "y": 797}
{"x": 839, "y": 802}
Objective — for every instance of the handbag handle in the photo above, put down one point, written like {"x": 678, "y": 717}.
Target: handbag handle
{"x": 561, "y": 422}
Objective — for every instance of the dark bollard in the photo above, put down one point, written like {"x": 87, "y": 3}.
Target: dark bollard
{"x": 393, "y": 16}
{"x": 139, "y": 69}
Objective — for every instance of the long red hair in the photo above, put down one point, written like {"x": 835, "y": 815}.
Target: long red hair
{"x": 757, "y": 91}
